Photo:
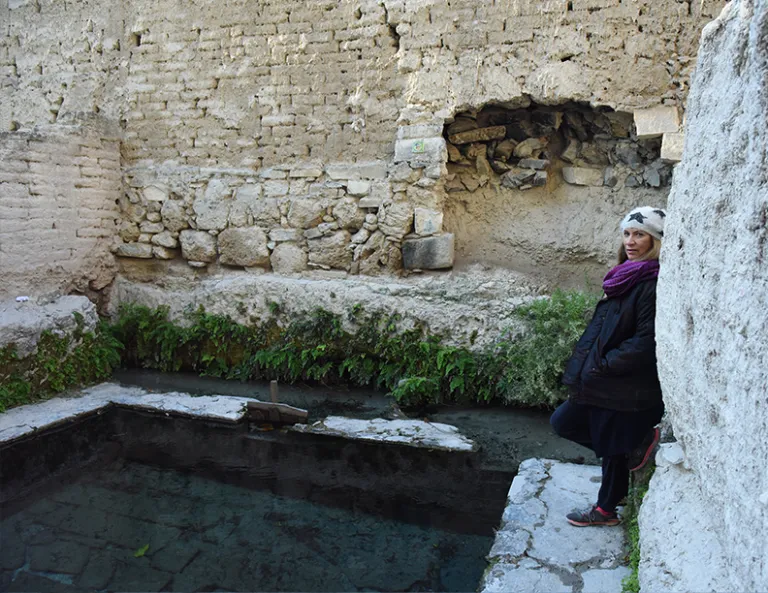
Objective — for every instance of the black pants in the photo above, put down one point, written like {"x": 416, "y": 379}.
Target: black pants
{"x": 572, "y": 422}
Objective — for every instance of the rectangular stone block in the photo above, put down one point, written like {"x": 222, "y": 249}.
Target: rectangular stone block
{"x": 369, "y": 202}
{"x": 427, "y": 222}
{"x": 419, "y": 131}
{"x": 429, "y": 253}
{"x": 138, "y": 250}
{"x": 370, "y": 170}
{"x": 655, "y": 121}
{"x": 672, "y": 147}
{"x": 421, "y": 152}
{"x": 479, "y": 135}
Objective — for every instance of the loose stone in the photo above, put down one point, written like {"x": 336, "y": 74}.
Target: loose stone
{"x": 478, "y": 135}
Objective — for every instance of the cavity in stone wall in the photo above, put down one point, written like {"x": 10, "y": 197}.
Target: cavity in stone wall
{"x": 541, "y": 188}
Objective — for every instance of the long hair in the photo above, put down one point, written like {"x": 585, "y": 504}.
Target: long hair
{"x": 653, "y": 252}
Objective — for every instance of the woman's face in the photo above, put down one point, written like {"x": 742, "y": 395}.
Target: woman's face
{"x": 637, "y": 243}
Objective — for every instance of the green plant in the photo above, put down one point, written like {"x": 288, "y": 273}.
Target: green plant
{"x": 535, "y": 360}
{"x": 637, "y": 492}
{"x": 364, "y": 348}
{"x": 59, "y": 362}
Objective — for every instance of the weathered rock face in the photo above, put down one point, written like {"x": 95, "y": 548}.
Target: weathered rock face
{"x": 23, "y": 323}
{"x": 713, "y": 294}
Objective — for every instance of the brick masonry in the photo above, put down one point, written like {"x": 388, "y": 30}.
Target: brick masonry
{"x": 58, "y": 192}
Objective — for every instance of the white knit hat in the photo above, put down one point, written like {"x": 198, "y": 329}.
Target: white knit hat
{"x": 646, "y": 218}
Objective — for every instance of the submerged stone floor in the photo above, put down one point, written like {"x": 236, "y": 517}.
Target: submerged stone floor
{"x": 537, "y": 550}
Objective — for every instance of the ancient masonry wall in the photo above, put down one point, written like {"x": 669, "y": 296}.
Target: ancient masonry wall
{"x": 712, "y": 329}
{"x": 290, "y": 136}
{"x": 58, "y": 192}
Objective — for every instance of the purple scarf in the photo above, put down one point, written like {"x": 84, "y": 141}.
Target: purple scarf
{"x": 625, "y": 276}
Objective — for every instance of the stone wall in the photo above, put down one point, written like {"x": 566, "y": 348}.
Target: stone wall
{"x": 310, "y": 135}
{"x": 58, "y": 191}
{"x": 711, "y": 327}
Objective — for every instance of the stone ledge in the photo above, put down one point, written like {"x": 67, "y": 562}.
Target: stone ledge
{"x": 25, "y": 420}
{"x": 536, "y": 550}
{"x": 413, "y": 433}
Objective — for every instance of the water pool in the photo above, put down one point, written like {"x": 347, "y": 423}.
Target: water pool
{"x": 138, "y": 501}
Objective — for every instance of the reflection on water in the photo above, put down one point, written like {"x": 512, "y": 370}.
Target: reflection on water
{"x": 132, "y": 527}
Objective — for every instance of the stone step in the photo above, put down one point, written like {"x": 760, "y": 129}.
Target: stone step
{"x": 537, "y": 550}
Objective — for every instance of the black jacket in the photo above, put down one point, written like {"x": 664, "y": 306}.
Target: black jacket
{"x": 614, "y": 362}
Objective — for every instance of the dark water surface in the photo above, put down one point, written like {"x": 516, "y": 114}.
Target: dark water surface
{"x": 128, "y": 500}
{"x": 204, "y": 535}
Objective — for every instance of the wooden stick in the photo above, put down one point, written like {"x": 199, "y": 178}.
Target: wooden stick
{"x": 273, "y": 391}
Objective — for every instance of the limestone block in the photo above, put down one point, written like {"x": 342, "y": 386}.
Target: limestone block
{"x": 370, "y": 202}
{"x": 163, "y": 253}
{"x": 151, "y": 227}
{"x": 395, "y": 219}
{"x": 305, "y": 213}
{"x": 369, "y": 170}
{"x": 281, "y": 235}
{"x": 288, "y": 258}
{"x": 478, "y": 135}
{"x": 655, "y": 121}
{"x": 198, "y": 246}
{"x": 273, "y": 174}
{"x": 133, "y": 212}
{"x": 174, "y": 216}
{"x": 331, "y": 251}
{"x": 212, "y": 208}
{"x": 128, "y": 231}
{"x": 305, "y": 172}
{"x": 165, "y": 239}
{"x": 421, "y": 152}
{"x": 138, "y": 250}
{"x": 419, "y": 131}
{"x": 358, "y": 188}
{"x": 429, "y": 253}
{"x": 243, "y": 247}
{"x": 672, "y": 147}
{"x": 155, "y": 193}
{"x": 583, "y": 176}
{"x": 276, "y": 188}
{"x": 154, "y": 216}
{"x": 348, "y": 214}
{"x": 249, "y": 207}
{"x": 427, "y": 222}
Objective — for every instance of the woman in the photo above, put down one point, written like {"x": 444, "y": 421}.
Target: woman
{"x": 615, "y": 396}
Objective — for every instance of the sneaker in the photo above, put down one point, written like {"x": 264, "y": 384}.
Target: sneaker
{"x": 592, "y": 517}
{"x": 638, "y": 458}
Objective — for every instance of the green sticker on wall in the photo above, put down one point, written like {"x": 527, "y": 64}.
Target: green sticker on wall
{"x": 417, "y": 146}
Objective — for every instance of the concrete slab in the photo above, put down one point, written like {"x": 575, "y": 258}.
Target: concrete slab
{"x": 537, "y": 550}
